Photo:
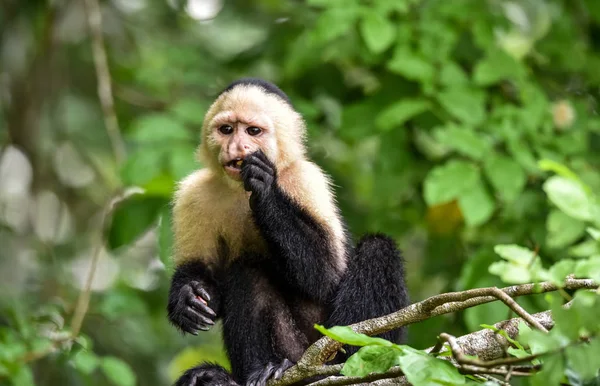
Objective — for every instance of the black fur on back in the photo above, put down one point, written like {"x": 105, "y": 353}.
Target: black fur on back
{"x": 268, "y": 87}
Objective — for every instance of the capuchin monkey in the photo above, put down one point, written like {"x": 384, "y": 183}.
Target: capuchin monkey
{"x": 260, "y": 244}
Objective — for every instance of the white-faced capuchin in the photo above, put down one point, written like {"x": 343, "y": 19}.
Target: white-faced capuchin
{"x": 260, "y": 243}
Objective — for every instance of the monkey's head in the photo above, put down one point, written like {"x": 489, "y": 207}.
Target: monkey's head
{"x": 251, "y": 114}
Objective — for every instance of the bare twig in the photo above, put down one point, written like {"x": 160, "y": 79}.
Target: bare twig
{"x": 491, "y": 291}
{"x": 84, "y": 296}
{"x": 105, "y": 94}
{"x": 462, "y": 359}
{"x": 340, "y": 380}
{"x": 470, "y": 369}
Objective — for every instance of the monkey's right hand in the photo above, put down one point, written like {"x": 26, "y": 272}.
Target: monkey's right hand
{"x": 188, "y": 308}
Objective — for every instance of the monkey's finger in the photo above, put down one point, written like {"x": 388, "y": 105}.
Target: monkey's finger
{"x": 254, "y": 185}
{"x": 189, "y": 326}
{"x": 286, "y": 364}
{"x": 261, "y": 164}
{"x": 263, "y": 157}
{"x": 266, "y": 374}
{"x": 254, "y": 171}
{"x": 200, "y": 291}
{"x": 196, "y": 316}
{"x": 195, "y": 303}
{"x": 197, "y": 325}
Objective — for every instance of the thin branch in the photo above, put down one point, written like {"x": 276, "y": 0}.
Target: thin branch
{"x": 105, "y": 94}
{"x": 462, "y": 359}
{"x": 470, "y": 369}
{"x": 393, "y": 372}
{"x": 491, "y": 291}
{"x": 84, "y": 296}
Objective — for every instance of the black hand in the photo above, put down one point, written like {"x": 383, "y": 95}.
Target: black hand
{"x": 191, "y": 311}
{"x": 271, "y": 370}
{"x": 259, "y": 176}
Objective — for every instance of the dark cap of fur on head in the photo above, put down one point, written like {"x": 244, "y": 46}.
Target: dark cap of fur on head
{"x": 268, "y": 87}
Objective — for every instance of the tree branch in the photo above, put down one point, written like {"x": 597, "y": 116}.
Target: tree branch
{"x": 105, "y": 94}
{"x": 485, "y": 344}
{"x": 84, "y": 296}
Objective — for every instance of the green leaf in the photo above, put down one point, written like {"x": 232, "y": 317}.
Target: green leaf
{"x": 562, "y": 229}
{"x": 182, "y": 161}
{"x": 396, "y": 114}
{"x": 22, "y": 376}
{"x": 521, "y": 266}
{"x": 446, "y": 183}
{"x": 465, "y": 140}
{"x": 132, "y": 218}
{"x": 595, "y": 233}
{"x": 424, "y": 370}
{"x": 476, "y": 205}
{"x": 142, "y": 166}
{"x": 558, "y": 168}
{"x": 569, "y": 197}
{"x": 346, "y": 335}
{"x": 522, "y": 153}
{"x": 86, "y": 361}
{"x": 559, "y": 271}
{"x": 552, "y": 371}
{"x": 452, "y": 75}
{"x": 539, "y": 342}
{"x": 505, "y": 335}
{"x": 118, "y": 372}
{"x": 515, "y": 253}
{"x": 411, "y": 65}
{"x": 586, "y": 248}
{"x": 371, "y": 359}
{"x": 334, "y": 23}
{"x": 166, "y": 237}
{"x": 510, "y": 273}
{"x": 497, "y": 66}
{"x": 585, "y": 359}
{"x": 589, "y": 268}
{"x": 190, "y": 110}
{"x": 506, "y": 176}
{"x": 156, "y": 129}
{"x": 466, "y": 104}
{"x": 377, "y": 31}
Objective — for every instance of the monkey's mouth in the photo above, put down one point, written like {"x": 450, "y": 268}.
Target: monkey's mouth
{"x": 234, "y": 167}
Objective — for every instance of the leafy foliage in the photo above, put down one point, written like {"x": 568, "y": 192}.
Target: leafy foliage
{"x": 466, "y": 129}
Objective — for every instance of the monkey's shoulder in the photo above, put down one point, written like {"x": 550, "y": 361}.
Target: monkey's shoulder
{"x": 207, "y": 213}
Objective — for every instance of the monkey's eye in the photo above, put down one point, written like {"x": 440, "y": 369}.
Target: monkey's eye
{"x": 253, "y": 130}
{"x": 226, "y": 129}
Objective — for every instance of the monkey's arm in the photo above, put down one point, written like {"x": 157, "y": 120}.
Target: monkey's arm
{"x": 306, "y": 249}
{"x": 194, "y": 300}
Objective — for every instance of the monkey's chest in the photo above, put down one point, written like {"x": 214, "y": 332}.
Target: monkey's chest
{"x": 239, "y": 236}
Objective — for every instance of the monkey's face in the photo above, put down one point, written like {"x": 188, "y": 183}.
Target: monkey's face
{"x": 244, "y": 120}
{"x": 235, "y": 135}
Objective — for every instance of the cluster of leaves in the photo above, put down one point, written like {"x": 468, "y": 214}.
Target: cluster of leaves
{"x": 378, "y": 355}
{"x": 431, "y": 116}
{"x": 33, "y": 336}
{"x": 571, "y": 351}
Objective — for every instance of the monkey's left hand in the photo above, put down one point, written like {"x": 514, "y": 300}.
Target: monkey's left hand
{"x": 259, "y": 176}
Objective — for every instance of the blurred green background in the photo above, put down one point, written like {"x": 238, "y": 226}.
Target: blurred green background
{"x": 430, "y": 115}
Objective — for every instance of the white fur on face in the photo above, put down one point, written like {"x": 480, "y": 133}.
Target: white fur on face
{"x": 209, "y": 205}
{"x": 251, "y": 105}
